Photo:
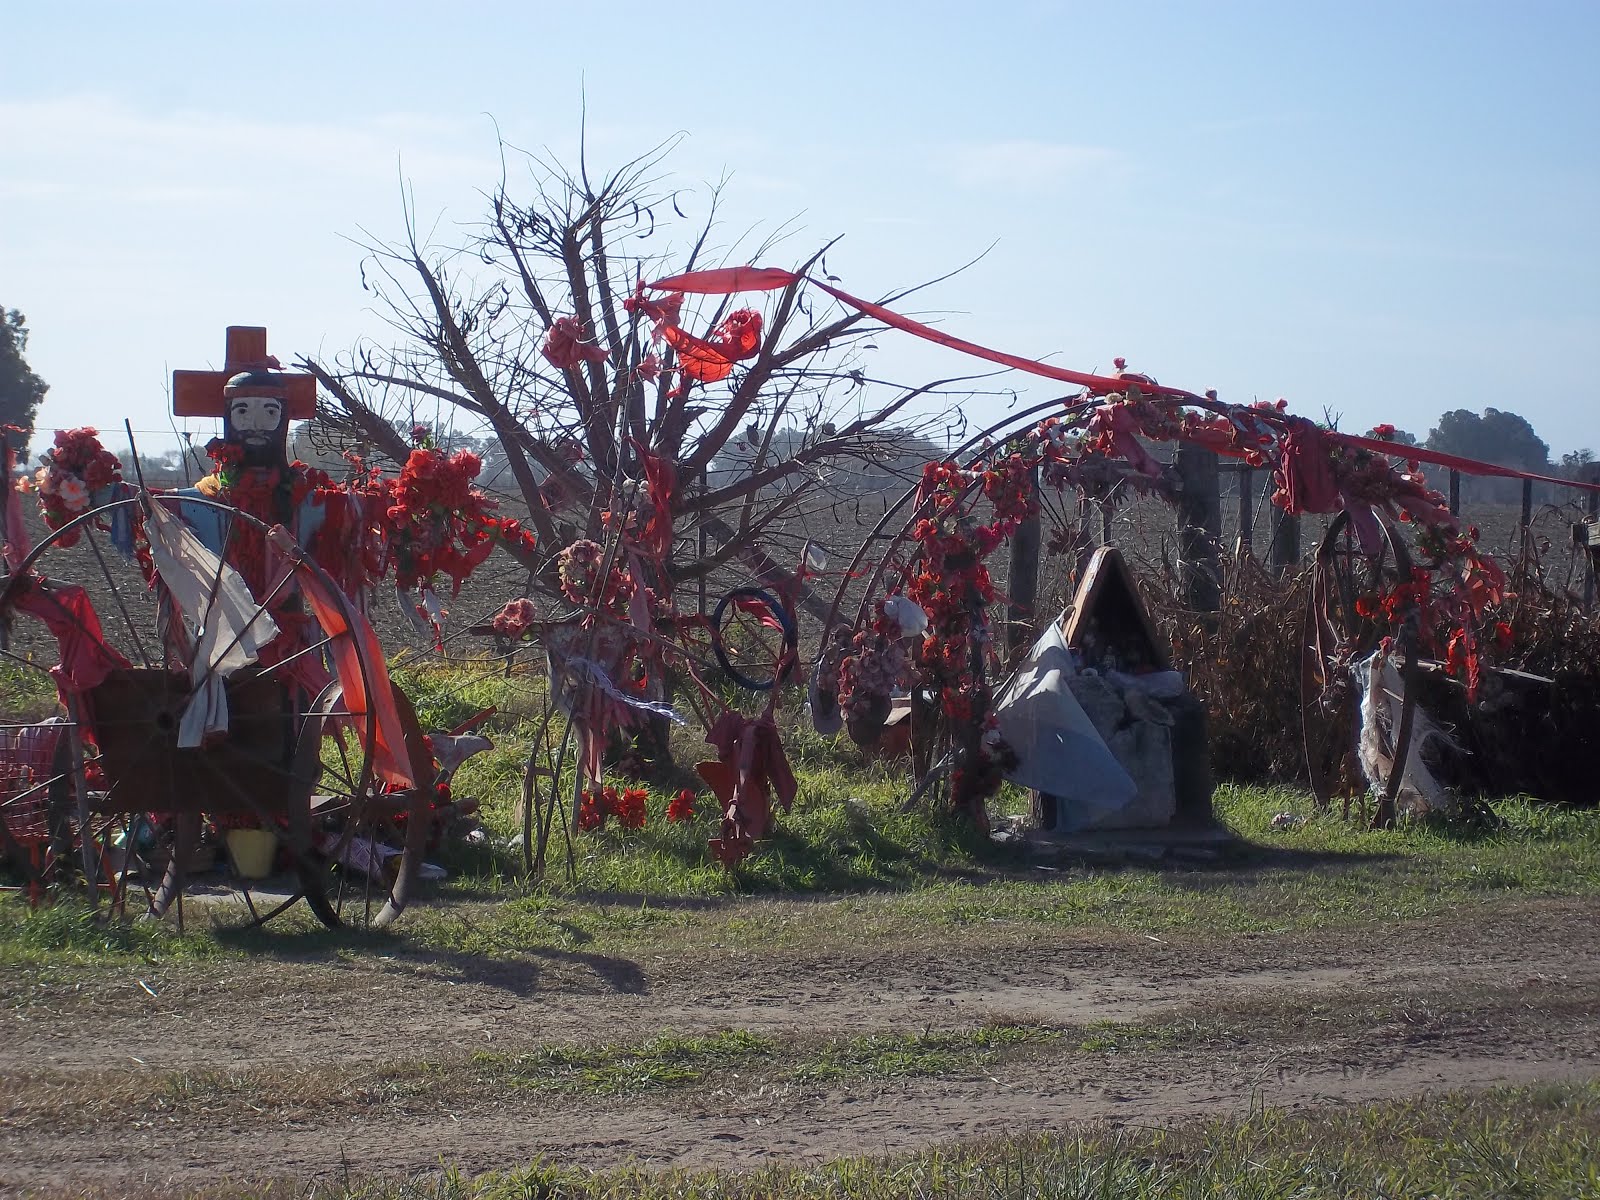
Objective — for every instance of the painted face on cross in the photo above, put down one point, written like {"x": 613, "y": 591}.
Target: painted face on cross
{"x": 255, "y": 418}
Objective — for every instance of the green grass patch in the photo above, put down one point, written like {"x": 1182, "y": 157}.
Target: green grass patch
{"x": 621, "y": 1070}
{"x": 27, "y": 693}
{"x": 68, "y": 932}
{"x": 876, "y": 872}
{"x": 897, "y": 1055}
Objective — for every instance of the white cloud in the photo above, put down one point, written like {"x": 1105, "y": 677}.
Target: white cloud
{"x": 101, "y": 152}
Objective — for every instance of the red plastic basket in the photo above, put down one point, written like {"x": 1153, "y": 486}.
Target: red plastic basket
{"x": 27, "y": 767}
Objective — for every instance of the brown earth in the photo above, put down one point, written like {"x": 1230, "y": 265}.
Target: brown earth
{"x": 310, "y": 1068}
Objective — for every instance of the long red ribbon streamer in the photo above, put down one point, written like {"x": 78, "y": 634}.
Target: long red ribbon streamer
{"x": 725, "y": 281}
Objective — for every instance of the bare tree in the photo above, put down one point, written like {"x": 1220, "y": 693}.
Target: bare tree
{"x": 530, "y": 332}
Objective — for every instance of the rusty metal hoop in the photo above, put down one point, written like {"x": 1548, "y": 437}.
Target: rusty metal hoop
{"x": 290, "y": 761}
{"x": 1334, "y": 634}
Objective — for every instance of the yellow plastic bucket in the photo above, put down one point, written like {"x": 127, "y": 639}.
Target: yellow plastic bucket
{"x": 252, "y": 851}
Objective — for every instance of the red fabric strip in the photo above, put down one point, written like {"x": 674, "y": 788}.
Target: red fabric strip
{"x": 1468, "y": 466}
{"x": 728, "y": 280}
{"x": 1098, "y": 384}
{"x": 725, "y": 281}
{"x": 391, "y": 761}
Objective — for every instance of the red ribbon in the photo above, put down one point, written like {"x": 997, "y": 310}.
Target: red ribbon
{"x": 726, "y": 281}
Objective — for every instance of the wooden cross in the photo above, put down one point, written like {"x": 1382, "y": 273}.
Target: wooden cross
{"x": 199, "y": 393}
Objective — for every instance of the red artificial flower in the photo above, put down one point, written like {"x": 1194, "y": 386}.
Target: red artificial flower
{"x": 682, "y": 806}
{"x": 514, "y": 620}
{"x": 592, "y": 811}
{"x": 565, "y": 346}
{"x": 1384, "y": 432}
{"x": 629, "y": 808}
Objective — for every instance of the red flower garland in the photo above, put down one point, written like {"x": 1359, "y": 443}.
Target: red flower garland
{"x": 74, "y": 469}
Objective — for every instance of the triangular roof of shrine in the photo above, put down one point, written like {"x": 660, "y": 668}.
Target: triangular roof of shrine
{"x": 1108, "y": 586}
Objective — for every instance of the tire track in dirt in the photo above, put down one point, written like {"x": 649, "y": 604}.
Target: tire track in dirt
{"x": 264, "y": 1011}
{"x": 797, "y": 1124}
{"x": 319, "y": 1015}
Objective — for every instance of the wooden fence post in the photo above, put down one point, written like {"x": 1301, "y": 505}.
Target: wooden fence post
{"x": 1455, "y": 492}
{"x": 1199, "y": 528}
{"x": 1285, "y": 543}
{"x": 1247, "y": 508}
{"x": 1022, "y": 584}
{"x": 1527, "y": 510}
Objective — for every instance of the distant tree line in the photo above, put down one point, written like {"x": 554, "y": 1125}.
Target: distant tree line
{"x": 20, "y": 389}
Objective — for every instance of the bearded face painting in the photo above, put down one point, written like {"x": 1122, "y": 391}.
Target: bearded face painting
{"x": 255, "y": 418}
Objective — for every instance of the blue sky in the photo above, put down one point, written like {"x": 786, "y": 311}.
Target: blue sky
{"x": 1379, "y": 211}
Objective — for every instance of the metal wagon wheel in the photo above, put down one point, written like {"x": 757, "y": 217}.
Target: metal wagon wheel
{"x": 296, "y": 757}
{"x": 1335, "y": 634}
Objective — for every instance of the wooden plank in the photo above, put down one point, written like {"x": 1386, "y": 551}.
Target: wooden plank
{"x": 1022, "y": 582}
{"x": 1247, "y": 508}
{"x": 1285, "y": 542}
{"x": 1199, "y": 528}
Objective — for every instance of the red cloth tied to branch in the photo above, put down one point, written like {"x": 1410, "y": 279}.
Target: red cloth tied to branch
{"x": 660, "y": 485}
{"x": 565, "y": 346}
{"x": 726, "y": 281}
{"x": 711, "y": 359}
{"x": 663, "y": 312}
{"x": 751, "y": 772}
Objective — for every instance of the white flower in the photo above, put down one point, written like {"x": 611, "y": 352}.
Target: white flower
{"x": 74, "y": 493}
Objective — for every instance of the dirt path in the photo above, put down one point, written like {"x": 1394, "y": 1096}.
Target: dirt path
{"x": 1533, "y": 968}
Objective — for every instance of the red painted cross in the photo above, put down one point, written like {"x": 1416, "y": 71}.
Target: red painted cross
{"x": 199, "y": 393}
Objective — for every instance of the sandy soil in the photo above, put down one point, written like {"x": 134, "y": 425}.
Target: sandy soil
{"x": 1534, "y": 969}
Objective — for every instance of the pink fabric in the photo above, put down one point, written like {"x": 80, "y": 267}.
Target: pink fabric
{"x": 1118, "y": 425}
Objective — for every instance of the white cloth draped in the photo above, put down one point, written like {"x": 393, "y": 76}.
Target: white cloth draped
{"x": 225, "y": 624}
